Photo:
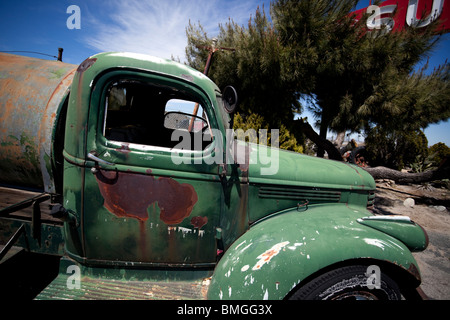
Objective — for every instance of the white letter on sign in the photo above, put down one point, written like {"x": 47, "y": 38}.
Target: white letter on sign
{"x": 376, "y": 22}
{"x": 411, "y": 14}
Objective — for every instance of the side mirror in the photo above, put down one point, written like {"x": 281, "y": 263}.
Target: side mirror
{"x": 230, "y": 99}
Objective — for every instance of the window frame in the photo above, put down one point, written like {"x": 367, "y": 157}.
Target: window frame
{"x": 101, "y": 91}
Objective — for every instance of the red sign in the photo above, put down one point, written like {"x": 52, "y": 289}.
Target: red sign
{"x": 399, "y": 14}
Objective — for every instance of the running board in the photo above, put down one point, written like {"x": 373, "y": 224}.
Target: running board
{"x": 109, "y": 289}
{"x": 76, "y": 282}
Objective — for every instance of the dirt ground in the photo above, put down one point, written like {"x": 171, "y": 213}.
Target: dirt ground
{"x": 430, "y": 210}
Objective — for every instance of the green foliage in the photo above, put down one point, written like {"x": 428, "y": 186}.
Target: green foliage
{"x": 422, "y": 164}
{"x": 351, "y": 78}
{"x": 439, "y": 151}
{"x": 395, "y": 149}
{"x": 436, "y": 154}
{"x": 358, "y": 77}
{"x": 413, "y": 101}
{"x": 286, "y": 140}
{"x": 256, "y": 68}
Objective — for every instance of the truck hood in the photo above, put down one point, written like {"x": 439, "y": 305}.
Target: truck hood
{"x": 281, "y": 167}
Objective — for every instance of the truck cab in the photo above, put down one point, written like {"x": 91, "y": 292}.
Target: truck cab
{"x": 146, "y": 181}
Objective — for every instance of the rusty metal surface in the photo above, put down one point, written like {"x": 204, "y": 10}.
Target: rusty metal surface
{"x": 31, "y": 91}
{"x": 163, "y": 220}
{"x": 112, "y": 289}
{"x": 175, "y": 200}
{"x": 42, "y": 234}
{"x": 10, "y": 197}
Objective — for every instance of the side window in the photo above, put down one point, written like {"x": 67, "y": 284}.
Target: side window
{"x": 147, "y": 114}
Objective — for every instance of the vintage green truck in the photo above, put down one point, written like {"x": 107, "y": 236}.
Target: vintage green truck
{"x": 120, "y": 178}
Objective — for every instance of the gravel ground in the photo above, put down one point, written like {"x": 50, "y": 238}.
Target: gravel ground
{"x": 427, "y": 206}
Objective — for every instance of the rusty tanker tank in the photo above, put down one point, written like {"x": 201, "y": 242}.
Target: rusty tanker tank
{"x": 32, "y": 92}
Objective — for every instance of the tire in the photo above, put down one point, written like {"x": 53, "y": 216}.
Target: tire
{"x": 358, "y": 156}
{"x": 347, "y": 283}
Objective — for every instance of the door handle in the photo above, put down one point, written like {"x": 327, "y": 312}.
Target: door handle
{"x": 97, "y": 159}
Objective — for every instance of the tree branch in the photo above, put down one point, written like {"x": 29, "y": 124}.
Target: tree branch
{"x": 328, "y": 146}
{"x": 405, "y": 177}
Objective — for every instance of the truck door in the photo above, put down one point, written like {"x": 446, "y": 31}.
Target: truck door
{"x": 152, "y": 192}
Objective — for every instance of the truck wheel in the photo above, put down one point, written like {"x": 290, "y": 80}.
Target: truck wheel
{"x": 347, "y": 283}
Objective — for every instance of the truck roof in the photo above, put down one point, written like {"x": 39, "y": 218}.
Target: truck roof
{"x": 108, "y": 60}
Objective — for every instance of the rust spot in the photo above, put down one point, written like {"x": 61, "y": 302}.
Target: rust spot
{"x": 414, "y": 271}
{"x": 86, "y": 64}
{"x": 199, "y": 222}
{"x": 124, "y": 149}
{"x": 265, "y": 258}
{"x": 142, "y": 239}
{"x": 130, "y": 195}
{"x": 241, "y": 155}
{"x": 267, "y": 255}
{"x": 29, "y": 89}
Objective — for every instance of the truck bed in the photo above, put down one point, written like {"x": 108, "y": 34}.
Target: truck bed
{"x": 12, "y": 196}
{"x": 26, "y": 222}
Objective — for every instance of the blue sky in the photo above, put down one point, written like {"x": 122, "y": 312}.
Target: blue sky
{"x": 152, "y": 27}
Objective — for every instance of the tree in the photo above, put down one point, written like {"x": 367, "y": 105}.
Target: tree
{"x": 439, "y": 152}
{"x": 256, "y": 68}
{"x": 405, "y": 178}
{"x": 395, "y": 149}
{"x": 317, "y": 35}
{"x": 356, "y": 78}
{"x": 353, "y": 79}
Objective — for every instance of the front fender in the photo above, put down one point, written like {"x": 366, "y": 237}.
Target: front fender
{"x": 276, "y": 254}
